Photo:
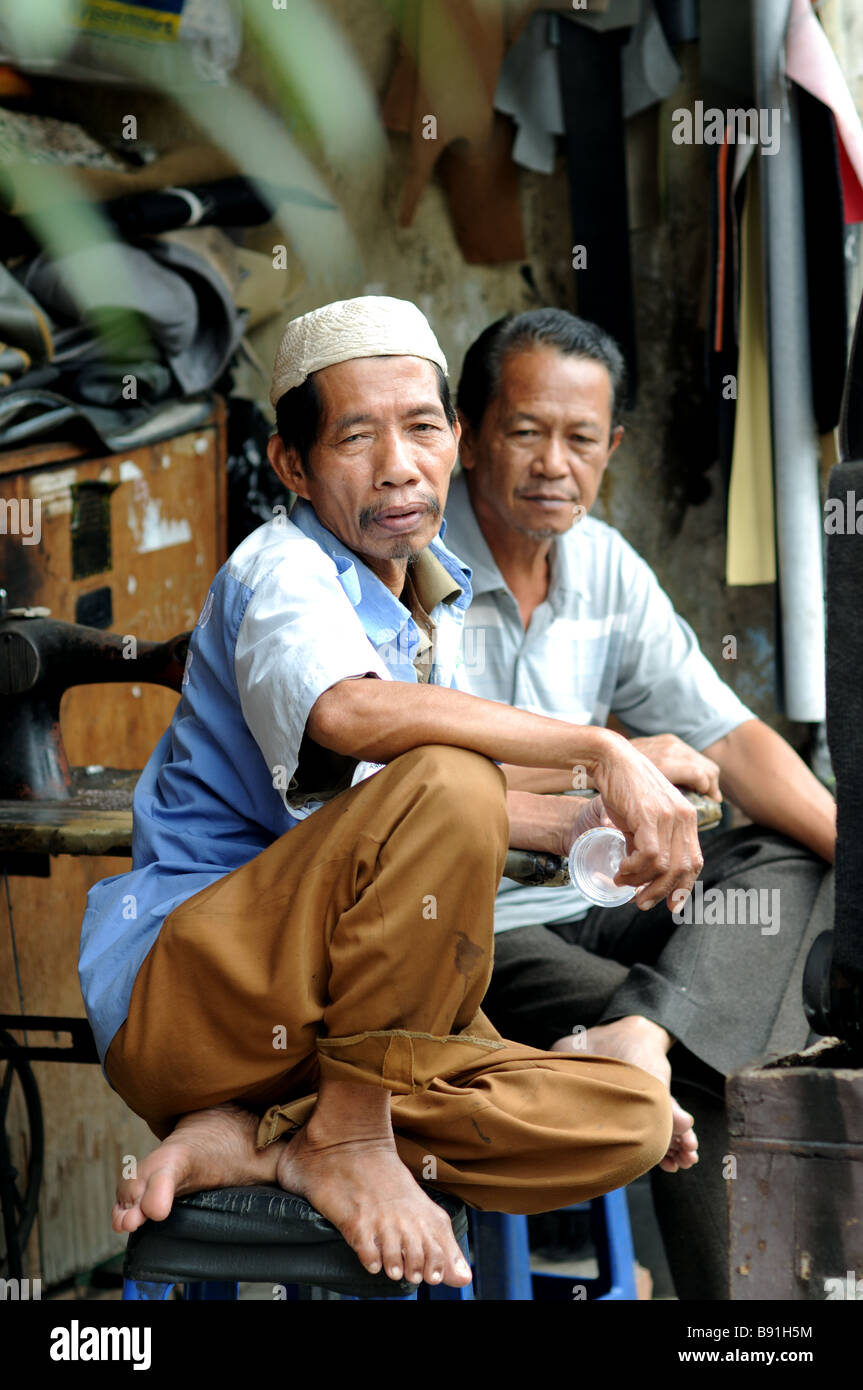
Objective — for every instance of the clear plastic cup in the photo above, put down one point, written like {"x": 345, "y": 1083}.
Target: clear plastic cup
{"x": 594, "y": 859}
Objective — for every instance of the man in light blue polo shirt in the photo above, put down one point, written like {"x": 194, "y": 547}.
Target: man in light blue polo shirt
{"x": 567, "y": 620}
{"x": 287, "y": 984}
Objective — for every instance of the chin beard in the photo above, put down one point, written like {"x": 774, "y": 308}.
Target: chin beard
{"x": 405, "y": 550}
{"x": 544, "y": 533}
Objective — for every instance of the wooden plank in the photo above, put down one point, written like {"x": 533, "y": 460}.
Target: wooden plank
{"x": 795, "y": 1225}
{"x": 96, "y": 833}
{"x": 97, "y": 819}
{"x": 815, "y": 1099}
{"x": 88, "y": 1128}
{"x": 31, "y": 455}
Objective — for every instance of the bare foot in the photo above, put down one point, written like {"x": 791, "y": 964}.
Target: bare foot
{"x": 644, "y": 1044}
{"x": 208, "y": 1148}
{"x": 362, "y": 1186}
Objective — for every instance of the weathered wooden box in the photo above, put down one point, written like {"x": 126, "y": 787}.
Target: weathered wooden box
{"x": 795, "y": 1190}
{"x": 139, "y": 564}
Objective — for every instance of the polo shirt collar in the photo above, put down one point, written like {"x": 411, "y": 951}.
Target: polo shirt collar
{"x": 469, "y": 539}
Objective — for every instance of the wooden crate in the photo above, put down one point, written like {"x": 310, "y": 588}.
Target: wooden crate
{"x": 796, "y": 1199}
{"x": 153, "y": 536}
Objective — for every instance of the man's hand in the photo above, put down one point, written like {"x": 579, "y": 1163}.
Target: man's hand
{"x": 660, "y": 825}
{"x": 681, "y": 764}
{"x": 550, "y": 824}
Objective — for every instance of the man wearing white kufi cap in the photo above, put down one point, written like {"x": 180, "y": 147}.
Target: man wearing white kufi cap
{"x": 318, "y": 840}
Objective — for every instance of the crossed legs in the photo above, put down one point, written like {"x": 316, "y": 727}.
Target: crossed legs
{"x": 313, "y": 1019}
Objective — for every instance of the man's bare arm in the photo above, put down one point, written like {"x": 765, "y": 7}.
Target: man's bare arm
{"x": 378, "y": 720}
{"x": 759, "y": 771}
{"x": 542, "y": 779}
{"x": 675, "y": 759}
{"x": 771, "y": 784}
{"x": 549, "y": 823}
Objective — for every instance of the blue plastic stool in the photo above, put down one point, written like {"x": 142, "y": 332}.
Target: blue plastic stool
{"x": 502, "y": 1256}
{"x": 214, "y": 1289}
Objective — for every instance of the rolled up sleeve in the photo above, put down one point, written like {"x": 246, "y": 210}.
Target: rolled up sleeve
{"x": 666, "y": 684}
{"x": 299, "y": 636}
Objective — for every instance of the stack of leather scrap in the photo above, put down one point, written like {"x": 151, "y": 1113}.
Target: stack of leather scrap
{"x": 127, "y": 331}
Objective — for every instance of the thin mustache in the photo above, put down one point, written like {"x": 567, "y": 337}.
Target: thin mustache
{"x": 368, "y": 514}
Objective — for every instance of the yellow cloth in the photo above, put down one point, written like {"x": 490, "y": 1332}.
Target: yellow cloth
{"x": 751, "y": 547}
{"x": 427, "y": 584}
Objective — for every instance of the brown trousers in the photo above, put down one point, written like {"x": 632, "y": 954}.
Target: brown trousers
{"x": 359, "y": 946}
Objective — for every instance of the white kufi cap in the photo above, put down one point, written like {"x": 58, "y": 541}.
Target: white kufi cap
{"x": 371, "y": 326}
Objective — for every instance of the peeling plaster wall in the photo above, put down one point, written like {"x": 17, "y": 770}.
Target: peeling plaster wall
{"x": 645, "y": 493}
{"x": 656, "y": 475}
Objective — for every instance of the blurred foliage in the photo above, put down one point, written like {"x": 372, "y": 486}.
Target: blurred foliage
{"x": 317, "y": 81}
{"x": 63, "y": 222}
{"x": 43, "y": 29}
{"x": 324, "y": 102}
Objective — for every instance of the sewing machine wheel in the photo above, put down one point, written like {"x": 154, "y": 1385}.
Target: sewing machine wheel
{"x": 22, "y": 1153}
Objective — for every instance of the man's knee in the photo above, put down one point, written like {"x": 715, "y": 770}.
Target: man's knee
{"x": 648, "y": 1127}
{"x": 466, "y": 789}
{"x": 655, "y": 1136}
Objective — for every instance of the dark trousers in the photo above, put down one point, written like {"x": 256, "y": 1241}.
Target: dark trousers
{"x": 728, "y": 992}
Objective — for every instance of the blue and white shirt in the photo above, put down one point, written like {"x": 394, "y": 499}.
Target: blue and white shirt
{"x": 606, "y": 639}
{"x": 291, "y": 613}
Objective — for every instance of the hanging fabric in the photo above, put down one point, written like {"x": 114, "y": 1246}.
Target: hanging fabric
{"x": 750, "y": 546}
{"x": 591, "y": 89}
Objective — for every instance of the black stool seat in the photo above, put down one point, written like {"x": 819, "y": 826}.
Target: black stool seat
{"x": 260, "y": 1235}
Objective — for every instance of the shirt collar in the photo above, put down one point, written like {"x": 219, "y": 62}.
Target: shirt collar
{"x": 566, "y": 574}
{"x": 381, "y": 613}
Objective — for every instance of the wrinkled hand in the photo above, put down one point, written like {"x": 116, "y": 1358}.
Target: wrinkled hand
{"x": 587, "y": 814}
{"x": 660, "y": 825}
{"x": 681, "y": 764}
